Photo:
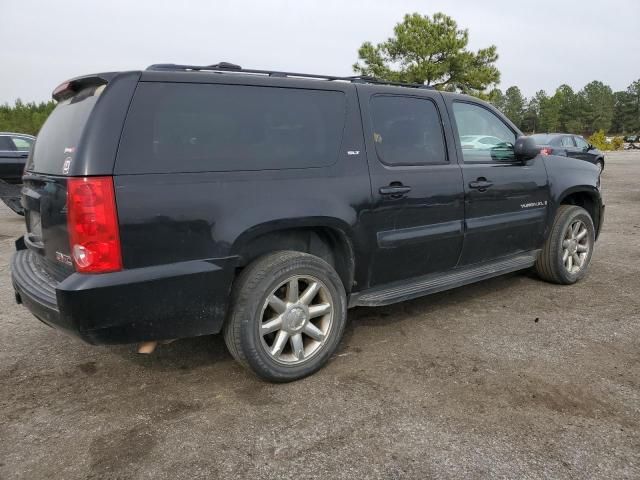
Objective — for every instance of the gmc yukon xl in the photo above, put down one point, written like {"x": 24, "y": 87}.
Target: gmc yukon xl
{"x": 184, "y": 200}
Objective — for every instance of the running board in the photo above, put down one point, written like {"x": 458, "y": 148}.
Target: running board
{"x": 432, "y": 283}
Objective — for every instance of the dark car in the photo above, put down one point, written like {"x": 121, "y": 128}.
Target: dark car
{"x": 14, "y": 150}
{"x": 183, "y": 201}
{"x": 569, "y": 145}
{"x": 631, "y": 142}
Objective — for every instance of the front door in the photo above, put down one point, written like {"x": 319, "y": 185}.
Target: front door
{"x": 416, "y": 217}
{"x": 506, "y": 200}
{"x": 582, "y": 150}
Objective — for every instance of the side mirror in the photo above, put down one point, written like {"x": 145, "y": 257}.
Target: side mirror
{"x": 526, "y": 148}
{"x": 590, "y": 147}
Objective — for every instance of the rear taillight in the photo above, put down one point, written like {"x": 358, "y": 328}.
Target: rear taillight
{"x": 546, "y": 151}
{"x": 93, "y": 224}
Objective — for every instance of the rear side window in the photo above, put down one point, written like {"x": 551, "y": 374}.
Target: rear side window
{"x": 6, "y": 145}
{"x": 180, "y": 127}
{"x": 567, "y": 142}
{"x": 60, "y": 134}
{"x": 407, "y": 130}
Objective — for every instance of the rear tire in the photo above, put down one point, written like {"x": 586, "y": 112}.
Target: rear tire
{"x": 566, "y": 254}
{"x": 287, "y": 317}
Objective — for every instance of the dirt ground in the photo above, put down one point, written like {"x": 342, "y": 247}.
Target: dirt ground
{"x": 509, "y": 378}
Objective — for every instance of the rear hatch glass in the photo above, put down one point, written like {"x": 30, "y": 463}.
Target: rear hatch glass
{"x": 59, "y": 136}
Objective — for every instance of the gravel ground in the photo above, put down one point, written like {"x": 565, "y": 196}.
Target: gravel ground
{"x": 509, "y": 378}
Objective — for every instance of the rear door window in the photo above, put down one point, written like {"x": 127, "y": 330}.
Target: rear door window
{"x": 181, "y": 127}
{"x": 407, "y": 130}
{"x": 6, "y": 145}
{"x": 567, "y": 142}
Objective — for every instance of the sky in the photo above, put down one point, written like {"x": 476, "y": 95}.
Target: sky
{"x": 542, "y": 44}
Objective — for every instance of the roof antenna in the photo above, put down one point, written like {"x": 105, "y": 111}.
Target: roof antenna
{"x": 225, "y": 66}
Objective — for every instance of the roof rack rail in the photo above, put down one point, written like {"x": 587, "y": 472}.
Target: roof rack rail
{"x": 226, "y": 67}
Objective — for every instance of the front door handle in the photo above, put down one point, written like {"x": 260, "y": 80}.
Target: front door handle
{"x": 481, "y": 184}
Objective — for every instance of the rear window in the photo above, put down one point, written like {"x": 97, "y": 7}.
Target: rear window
{"x": 60, "y": 134}
{"x": 180, "y": 127}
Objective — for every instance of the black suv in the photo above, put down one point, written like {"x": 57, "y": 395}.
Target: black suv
{"x": 184, "y": 200}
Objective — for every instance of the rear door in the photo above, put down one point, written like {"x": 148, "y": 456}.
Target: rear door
{"x": 45, "y": 182}
{"x": 79, "y": 138}
{"x": 417, "y": 211}
{"x": 569, "y": 146}
{"x": 506, "y": 200}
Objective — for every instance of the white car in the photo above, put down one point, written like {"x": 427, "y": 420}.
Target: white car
{"x": 479, "y": 142}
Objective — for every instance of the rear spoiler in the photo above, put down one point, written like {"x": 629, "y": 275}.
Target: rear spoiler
{"x": 71, "y": 87}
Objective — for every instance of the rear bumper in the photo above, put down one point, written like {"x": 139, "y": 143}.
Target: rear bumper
{"x": 184, "y": 299}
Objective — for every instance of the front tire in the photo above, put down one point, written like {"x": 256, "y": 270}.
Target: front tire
{"x": 287, "y": 316}
{"x": 566, "y": 254}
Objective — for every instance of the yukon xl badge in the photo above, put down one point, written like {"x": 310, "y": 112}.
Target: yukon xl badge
{"x": 63, "y": 258}
{"x": 533, "y": 204}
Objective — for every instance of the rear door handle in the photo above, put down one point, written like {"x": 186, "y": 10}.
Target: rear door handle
{"x": 394, "y": 190}
{"x": 481, "y": 184}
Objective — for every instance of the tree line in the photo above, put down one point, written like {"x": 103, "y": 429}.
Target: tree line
{"x": 24, "y": 117}
{"x": 432, "y": 50}
{"x": 596, "y": 107}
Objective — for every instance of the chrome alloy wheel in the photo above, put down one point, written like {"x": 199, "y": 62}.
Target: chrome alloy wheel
{"x": 296, "y": 319}
{"x": 575, "y": 246}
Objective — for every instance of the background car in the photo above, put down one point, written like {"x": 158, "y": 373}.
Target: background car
{"x": 569, "y": 145}
{"x": 14, "y": 150}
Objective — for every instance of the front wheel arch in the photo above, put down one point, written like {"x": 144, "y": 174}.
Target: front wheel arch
{"x": 589, "y": 199}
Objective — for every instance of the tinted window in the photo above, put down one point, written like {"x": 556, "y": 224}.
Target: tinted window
{"x": 6, "y": 144}
{"x": 476, "y": 123}
{"x": 581, "y": 142}
{"x": 175, "y": 127}
{"x": 407, "y": 131}
{"x": 567, "y": 142}
{"x": 62, "y": 131}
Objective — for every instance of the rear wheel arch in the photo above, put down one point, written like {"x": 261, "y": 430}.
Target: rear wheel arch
{"x": 330, "y": 243}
